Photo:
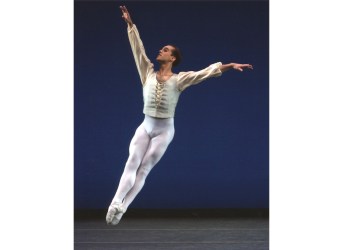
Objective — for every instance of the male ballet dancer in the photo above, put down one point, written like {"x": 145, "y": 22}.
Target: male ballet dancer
{"x": 161, "y": 91}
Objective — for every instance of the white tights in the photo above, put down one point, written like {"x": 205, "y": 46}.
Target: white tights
{"x": 147, "y": 147}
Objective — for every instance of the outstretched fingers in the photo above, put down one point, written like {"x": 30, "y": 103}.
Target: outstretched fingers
{"x": 126, "y": 15}
{"x": 124, "y": 10}
{"x": 243, "y": 66}
{"x": 249, "y": 66}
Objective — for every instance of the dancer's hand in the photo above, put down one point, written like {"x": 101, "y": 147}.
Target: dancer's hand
{"x": 126, "y": 16}
{"x": 240, "y": 67}
{"x": 235, "y": 66}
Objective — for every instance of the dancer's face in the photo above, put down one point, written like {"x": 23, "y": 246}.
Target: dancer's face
{"x": 165, "y": 56}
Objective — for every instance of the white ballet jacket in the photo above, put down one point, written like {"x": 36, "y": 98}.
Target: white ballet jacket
{"x": 159, "y": 98}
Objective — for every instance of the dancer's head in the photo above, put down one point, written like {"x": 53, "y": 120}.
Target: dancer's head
{"x": 169, "y": 54}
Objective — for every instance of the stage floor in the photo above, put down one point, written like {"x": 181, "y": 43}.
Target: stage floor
{"x": 191, "y": 230}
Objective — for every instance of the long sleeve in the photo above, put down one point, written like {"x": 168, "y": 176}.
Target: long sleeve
{"x": 186, "y": 79}
{"x": 143, "y": 64}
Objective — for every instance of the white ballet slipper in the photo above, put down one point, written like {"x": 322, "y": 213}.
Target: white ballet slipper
{"x": 115, "y": 210}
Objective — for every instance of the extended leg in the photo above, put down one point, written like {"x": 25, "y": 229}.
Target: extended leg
{"x": 138, "y": 147}
{"x": 136, "y": 170}
{"x": 157, "y": 148}
{"x": 137, "y": 150}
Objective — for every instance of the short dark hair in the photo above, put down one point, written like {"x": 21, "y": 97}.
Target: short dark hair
{"x": 177, "y": 54}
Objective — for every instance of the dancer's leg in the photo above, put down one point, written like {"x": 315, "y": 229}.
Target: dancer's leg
{"x": 156, "y": 150}
{"x": 139, "y": 165}
{"x": 138, "y": 147}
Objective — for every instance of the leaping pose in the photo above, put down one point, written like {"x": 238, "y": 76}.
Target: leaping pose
{"x": 161, "y": 91}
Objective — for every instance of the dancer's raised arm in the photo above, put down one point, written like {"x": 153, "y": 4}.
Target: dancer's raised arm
{"x": 143, "y": 64}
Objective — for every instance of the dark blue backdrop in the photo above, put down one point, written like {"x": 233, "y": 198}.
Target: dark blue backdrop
{"x": 219, "y": 157}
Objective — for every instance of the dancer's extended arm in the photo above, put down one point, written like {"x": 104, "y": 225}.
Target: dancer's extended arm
{"x": 186, "y": 79}
{"x": 143, "y": 64}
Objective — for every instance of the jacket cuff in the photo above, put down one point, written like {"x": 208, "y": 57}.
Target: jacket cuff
{"x": 132, "y": 28}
